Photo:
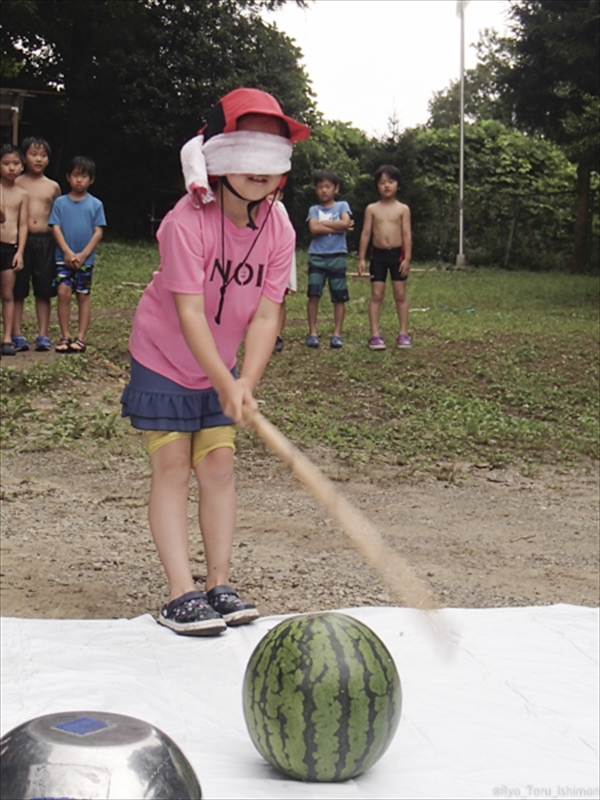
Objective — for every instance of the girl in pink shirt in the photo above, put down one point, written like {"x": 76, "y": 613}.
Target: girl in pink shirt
{"x": 225, "y": 259}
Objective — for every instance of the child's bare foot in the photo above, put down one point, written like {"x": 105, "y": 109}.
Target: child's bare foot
{"x": 63, "y": 344}
{"x": 78, "y": 346}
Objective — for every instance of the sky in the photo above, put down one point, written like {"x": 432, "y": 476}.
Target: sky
{"x": 371, "y": 60}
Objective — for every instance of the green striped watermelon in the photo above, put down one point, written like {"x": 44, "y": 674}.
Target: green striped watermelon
{"x": 322, "y": 697}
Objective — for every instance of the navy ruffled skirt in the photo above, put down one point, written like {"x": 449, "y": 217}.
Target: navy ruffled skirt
{"x": 155, "y": 403}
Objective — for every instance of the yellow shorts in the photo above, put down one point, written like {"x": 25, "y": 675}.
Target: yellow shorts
{"x": 202, "y": 442}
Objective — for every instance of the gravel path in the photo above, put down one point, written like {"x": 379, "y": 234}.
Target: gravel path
{"x": 75, "y": 539}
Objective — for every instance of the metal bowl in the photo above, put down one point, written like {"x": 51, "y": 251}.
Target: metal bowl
{"x": 85, "y": 755}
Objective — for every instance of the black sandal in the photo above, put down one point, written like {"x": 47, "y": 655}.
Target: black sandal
{"x": 63, "y": 345}
{"x": 77, "y": 346}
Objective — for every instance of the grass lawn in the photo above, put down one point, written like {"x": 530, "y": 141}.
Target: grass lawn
{"x": 503, "y": 369}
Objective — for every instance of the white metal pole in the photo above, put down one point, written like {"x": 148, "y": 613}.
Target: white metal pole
{"x": 460, "y": 258}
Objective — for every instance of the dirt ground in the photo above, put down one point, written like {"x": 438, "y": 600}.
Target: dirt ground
{"x": 76, "y": 544}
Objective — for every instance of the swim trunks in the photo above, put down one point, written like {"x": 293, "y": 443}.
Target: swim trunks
{"x": 7, "y": 253}
{"x": 383, "y": 261}
{"x": 80, "y": 280}
{"x": 38, "y": 267}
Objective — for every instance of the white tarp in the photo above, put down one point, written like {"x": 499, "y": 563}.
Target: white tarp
{"x": 510, "y": 709}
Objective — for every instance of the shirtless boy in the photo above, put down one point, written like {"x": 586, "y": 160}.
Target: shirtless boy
{"x": 13, "y": 235}
{"x": 39, "y": 252}
{"x": 387, "y": 224}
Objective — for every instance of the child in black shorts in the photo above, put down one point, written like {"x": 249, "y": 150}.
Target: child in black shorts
{"x": 13, "y": 235}
{"x": 38, "y": 258}
{"x": 387, "y": 224}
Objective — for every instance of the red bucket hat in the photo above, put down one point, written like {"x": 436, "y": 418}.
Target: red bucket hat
{"x": 225, "y": 114}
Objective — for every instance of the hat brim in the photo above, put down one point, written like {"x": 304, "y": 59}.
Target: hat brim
{"x": 298, "y": 131}
{"x": 240, "y": 102}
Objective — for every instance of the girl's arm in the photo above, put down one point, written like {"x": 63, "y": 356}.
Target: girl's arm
{"x": 196, "y": 332}
{"x": 260, "y": 338}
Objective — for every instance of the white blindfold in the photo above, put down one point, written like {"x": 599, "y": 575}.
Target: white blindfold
{"x": 236, "y": 153}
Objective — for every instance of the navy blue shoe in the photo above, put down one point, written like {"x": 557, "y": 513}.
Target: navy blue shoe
{"x": 20, "y": 343}
{"x": 43, "y": 344}
{"x": 192, "y": 615}
{"x": 234, "y": 611}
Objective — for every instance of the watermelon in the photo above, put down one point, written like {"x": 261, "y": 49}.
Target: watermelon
{"x": 321, "y": 697}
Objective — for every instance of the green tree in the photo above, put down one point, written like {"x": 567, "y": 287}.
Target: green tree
{"x": 555, "y": 81}
{"x": 484, "y": 95}
{"x": 517, "y": 189}
{"x": 136, "y": 78}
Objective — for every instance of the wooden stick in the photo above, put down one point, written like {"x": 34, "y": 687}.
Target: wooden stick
{"x": 396, "y": 572}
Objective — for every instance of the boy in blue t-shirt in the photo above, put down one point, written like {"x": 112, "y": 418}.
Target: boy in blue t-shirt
{"x": 328, "y": 223}
{"x": 77, "y": 219}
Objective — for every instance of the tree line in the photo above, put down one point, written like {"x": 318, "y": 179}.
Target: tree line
{"x": 127, "y": 82}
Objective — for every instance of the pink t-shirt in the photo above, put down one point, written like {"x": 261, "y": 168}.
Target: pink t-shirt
{"x": 191, "y": 262}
